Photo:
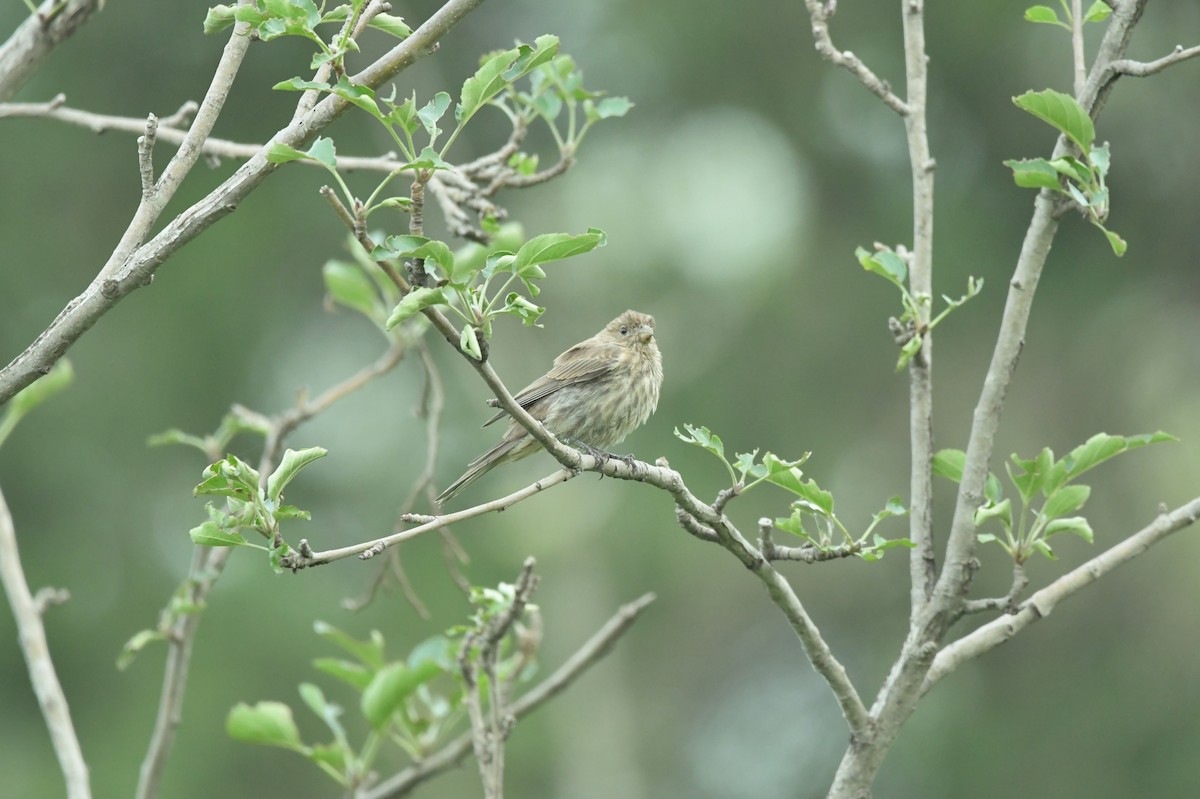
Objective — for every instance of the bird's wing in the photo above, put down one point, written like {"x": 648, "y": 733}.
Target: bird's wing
{"x": 573, "y": 367}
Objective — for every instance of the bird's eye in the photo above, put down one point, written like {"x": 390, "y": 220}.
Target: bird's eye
{"x": 624, "y": 330}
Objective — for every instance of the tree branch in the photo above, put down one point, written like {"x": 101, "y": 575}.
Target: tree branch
{"x": 32, "y": 635}
{"x": 820, "y": 13}
{"x": 1142, "y": 69}
{"x": 585, "y": 657}
{"x": 127, "y": 271}
{"x": 1043, "y": 602}
{"x": 23, "y": 52}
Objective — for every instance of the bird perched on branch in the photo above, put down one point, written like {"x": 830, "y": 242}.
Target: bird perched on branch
{"x": 597, "y": 392}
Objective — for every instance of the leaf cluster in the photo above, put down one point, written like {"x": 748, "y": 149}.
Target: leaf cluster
{"x": 414, "y": 703}
{"x": 1049, "y": 483}
{"x": 812, "y": 518}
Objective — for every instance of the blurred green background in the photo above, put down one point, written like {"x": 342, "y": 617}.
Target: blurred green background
{"x": 733, "y": 196}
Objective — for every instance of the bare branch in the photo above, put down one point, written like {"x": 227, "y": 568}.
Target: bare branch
{"x": 427, "y": 524}
{"x": 1043, "y": 602}
{"x": 27, "y": 611}
{"x": 1006, "y": 603}
{"x": 1080, "y": 61}
{"x": 596, "y": 647}
{"x": 22, "y": 54}
{"x": 820, "y": 13}
{"x": 207, "y": 565}
{"x": 1142, "y": 69}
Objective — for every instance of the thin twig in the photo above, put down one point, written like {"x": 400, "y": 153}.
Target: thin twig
{"x": 596, "y": 647}
{"x": 1078, "y": 57}
{"x": 819, "y": 13}
{"x": 32, "y": 637}
{"x": 1142, "y": 69}
{"x": 1008, "y": 602}
{"x": 145, "y": 145}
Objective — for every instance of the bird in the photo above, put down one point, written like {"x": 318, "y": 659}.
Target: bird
{"x": 595, "y": 394}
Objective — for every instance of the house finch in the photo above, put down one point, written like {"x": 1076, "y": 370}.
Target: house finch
{"x": 597, "y": 392}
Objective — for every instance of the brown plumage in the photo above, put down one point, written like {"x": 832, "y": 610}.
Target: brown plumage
{"x": 597, "y": 392}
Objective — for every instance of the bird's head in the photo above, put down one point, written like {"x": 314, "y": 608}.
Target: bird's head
{"x": 631, "y": 327}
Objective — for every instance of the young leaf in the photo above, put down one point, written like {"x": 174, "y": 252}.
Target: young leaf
{"x": 353, "y": 674}
{"x": 949, "y": 463}
{"x": 702, "y": 437}
{"x": 414, "y": 302}
{"x": 210, "y": 535}
{"x": 268, "y": 723}
{"x": 555, "y": 246}
{"x": 42, "y": 389}
{"x": 1074, "y": 524}
{"x": 176, "y": 436}
{"x": 1117, "y": 243}
{"x": 1035, "y": 173}
{"x": 606, "y": 108}
{"x": 1103, "y": 446}
{"x": 1042, "y": 14}
{"x": 347, "y": 285}
{"x": 293, "y": 461}
{"x": 1067, "y": 499}
{"x": 391, "y": 686}
{"x": 884, "y": 263}
{"x": 1097, "y": 12}
{"x": 136, "y": 644}
{"x": 999, "y": 510}
{"x": 432, "y": 112}
{"x": 529, "y": 313}
{"x": 369, "y": 652}
{"x": 468, "y": 342}
{"x": 1062, "y": 112}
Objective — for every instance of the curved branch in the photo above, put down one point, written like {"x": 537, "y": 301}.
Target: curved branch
{"x": 1043, "y": 602}
{"x": 820, "y": 13}
{"x": 32, "y": 636}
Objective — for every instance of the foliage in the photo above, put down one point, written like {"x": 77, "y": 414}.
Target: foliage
{"x": 414, "y": 703}
{"x": 1050, "y": 478}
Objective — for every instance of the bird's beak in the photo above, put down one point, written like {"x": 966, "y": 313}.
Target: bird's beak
{"x": 645, "y": 333}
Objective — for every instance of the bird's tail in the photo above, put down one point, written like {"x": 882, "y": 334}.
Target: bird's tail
{"x": 498, "y": 454}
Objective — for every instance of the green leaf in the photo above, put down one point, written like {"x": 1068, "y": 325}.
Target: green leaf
{"x": 437, "y": 649}
{"x": 210, "y": 535}
{"x": 291, "y": 464}
{"x": 218, "y": 19}
{"x": 784, "y": 473}
{"x": 1067, "y": 499}
{"x": 1042, "y": 14}
{"x": 389, "y": 23}
{"x": 884, "y": 263}
{"x": 1034, "y": 475}
{"x": 291, "y": 512}
{"x": 347, "y": 285}
{"x": 407, "y": 246}
{"x": 607, "y": 108}
{"x": 1035, "y": 173}
{"x": 702, "y": 437}
{"x": 1100, "y": 448}
{"x": 1117, "y": 243}
{"x": 414, "y": 302}
{"x": 555, "y": 246}
{"x": 268, "y": 723}
{"x": 486, "y": 83}
{"x": 1041, "y": 546}
{"x": 517, "y": 305}
{"x": 1097, "y": 12}
{"x": 1074, "y": 524}
{"x": 1100, "y": 157}
{"x": 998, "y": 510}
{"x": 815, "y": 499}
{"x": 369, "y": 652}
{"x": 229, "y": 477}
{"x": 299, "y": 84}
{"x": 140, "y": 640}
{"x": 390, "y": 687}
{"x": 353, "y": 674}
{"x": 433, "y": 111}
{"x": 361, "y": 96}
{"x": 1074, "y": 169}
{"x": 949, "y": 463}
{"x": 429, "y": 159}
{"x": 1062, "y": 112}
{"x": 322, "y": 151}
{"x": 468, "y": 342}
